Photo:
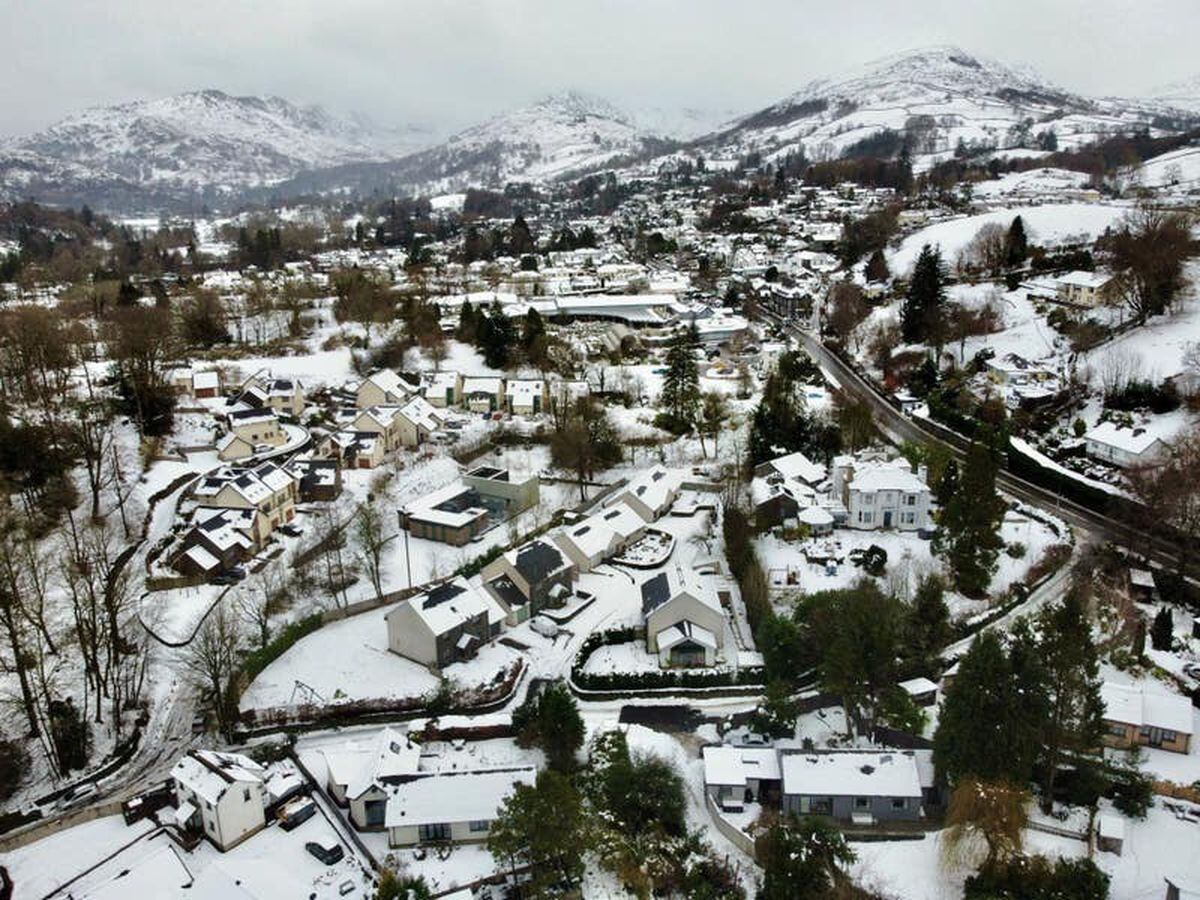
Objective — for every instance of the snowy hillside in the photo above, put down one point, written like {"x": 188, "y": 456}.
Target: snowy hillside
{"x": 936, "y": 97}
{"x": 200, "y": 143}
{"x": 1182, "y": 94}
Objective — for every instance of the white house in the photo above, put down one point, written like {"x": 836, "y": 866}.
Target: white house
{"x": 221, "y": 795}
{"x": 685, "y": 624}
{"x": 1125, "y": 446}
{"x": 258, "y": 427}
{"x": 358, "y": 774}
{"x": 734, "y": 776}
{"x": 1086, "y": 288}
{"x": 450, "y": 806}
{"x": 882, "y": 494}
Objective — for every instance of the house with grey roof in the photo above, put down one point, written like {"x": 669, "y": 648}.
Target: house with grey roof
{"x": 530, "y": 578}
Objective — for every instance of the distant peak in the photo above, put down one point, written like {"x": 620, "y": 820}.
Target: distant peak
{"x": 578, "y": 102}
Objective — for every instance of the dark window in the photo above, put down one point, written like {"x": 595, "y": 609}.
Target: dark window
{"x": 438, "y": 831}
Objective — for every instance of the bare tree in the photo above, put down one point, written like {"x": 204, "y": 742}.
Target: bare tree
{"x": 1148, "y": 253}
{"x": 211, "y": 660}
{"x": 370, "y": 540}
{"x": 847, "y": 309}
{"x": 262, "y": 599}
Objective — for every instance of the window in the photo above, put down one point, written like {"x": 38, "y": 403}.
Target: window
{"x": 1168, "y": 735}
{"x": 821, "y": 806}
{"x": 862, "y": 802}
{"x": 910, "y": 500}
{"x": 1116, "y": 729}
{"x": 436, "y": 831}
{"x": 246, "y": 795}
{"x": 908, "y": 518}
{"x": 868, "y": 499}
{"x": 866, "y": 517}
{"x": 478, "y": 825}
{"x": 898, "y": 803}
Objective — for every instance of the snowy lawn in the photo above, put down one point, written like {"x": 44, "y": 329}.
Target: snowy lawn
{"x": 350, "y": 660}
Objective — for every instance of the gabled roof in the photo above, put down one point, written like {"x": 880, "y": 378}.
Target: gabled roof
{"x": 674, "y": 582}
{"x": 682, "y": 632}
{"x": 388, "y": 381}
{"x": 446, "y": 606}
{"x": 797, "y": 465}
{"x": 453, "y": 797}
{"x": 537, "y": 560}
{"x": 209, "y": 773}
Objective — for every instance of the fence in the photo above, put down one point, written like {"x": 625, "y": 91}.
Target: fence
{"x": 47, "y": 827}
{"x": 728, "y": 830}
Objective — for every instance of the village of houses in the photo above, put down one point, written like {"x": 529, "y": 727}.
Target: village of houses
{"x": 382, "y": 738}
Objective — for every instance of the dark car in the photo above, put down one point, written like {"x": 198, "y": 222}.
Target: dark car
{"x": 290, "y": 530}
{"x": 326, "y": 849}
{"x": 223, "y": 578}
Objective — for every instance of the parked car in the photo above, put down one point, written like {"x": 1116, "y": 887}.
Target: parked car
{"x": 299, "y": 810}
{"x": 545, "y": 627}
{"x": 290, "y": 530}
{"x": 326, "y": 848}
{"x": 223, "y": 578}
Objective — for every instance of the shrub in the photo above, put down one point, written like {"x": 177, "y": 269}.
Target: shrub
{"x": 1016, "y": 550}
{"x": 14, "y": 763}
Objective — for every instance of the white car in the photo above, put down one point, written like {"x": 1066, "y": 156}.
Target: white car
{"x": 544, "y": 626}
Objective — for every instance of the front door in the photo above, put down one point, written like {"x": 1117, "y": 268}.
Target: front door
{"x": 887, "y": 520}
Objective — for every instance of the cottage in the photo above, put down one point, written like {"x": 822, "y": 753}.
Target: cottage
{"x": 1123, "y": 446}
{"x": 258, "y": 427}
{"x": 525, "y": 396}
{"x": 1146, "y": 717}
{"x": 443, "y": 625}
{"x": 283, "y": 396}
{"x": 231, "y": 447}
{"x": 318, "y": 479}
{"x": 685, "y": 623}
{"x": 653, "y": 494}
{"x": 529, "y": 579}
{"x": 734, "y": 776}
{"x": 382, "y": 388}
{"x": 358, "y": 775}
{"x": 601, "y": 536}
{"x": 1087, "y": 289}
{"x": 354, "y": 449}
{"x": 882, "y": 495}
{"x": 456, "y": 807}
{"x": 220, "y": 795}
{"x": 483, "y": 394}
{"x": 454, "y": 514}
{"x": 219, "y": 540}
{"x": 442, "y": 389}
{"x": 852, "y": 786}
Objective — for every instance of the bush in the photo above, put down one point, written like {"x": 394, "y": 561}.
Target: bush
{"x": 1038, "y": 878}
{"x": 1016, "y": 550}
{"x": 14, "y": 763}
{"x": 1160, "y": 398}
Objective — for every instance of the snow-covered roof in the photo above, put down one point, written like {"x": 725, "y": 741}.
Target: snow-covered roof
{"x": 453, "y": 797}
{"x": 671, "y": 582}
{"x": 446, "y": 606}
{"x": 208, "y": 773}
{"x": 422, "y": 414}
{"x": 482, "y": 384}
{"x": 733, "y": 765}
{"x": 1130, "y": 440}
{"x": 388, "y": 381}
{"x": 389, "y": 755}
{"x": 797, "y": 465}
{"x": 683, "y": 631}
{"x": 209, "y": 380}
{"x": 891, "y": 476}
{"x": 855, "y": 774}
{"x": 1085, "y": 279}
{"x": 1142, "y": 706}
{"x": 656, "y": 487}
{"x": 453, "y": 505}
{"x": 915, "y": 686}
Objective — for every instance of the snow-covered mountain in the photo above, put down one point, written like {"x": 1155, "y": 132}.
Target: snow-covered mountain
{"x": 936, "y": 97}
{"x": 564, "y": 134}
{"x": 190, "y": 147}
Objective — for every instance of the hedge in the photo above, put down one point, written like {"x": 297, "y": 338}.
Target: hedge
{"x": 640, "y": 680}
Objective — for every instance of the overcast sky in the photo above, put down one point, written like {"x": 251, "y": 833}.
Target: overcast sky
{"x": 448, "y": 63}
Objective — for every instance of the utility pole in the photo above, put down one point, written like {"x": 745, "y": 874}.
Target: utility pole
{"x": 407, "y": 560}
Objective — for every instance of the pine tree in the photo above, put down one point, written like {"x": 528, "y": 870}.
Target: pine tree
{"x": 1016, "y": 244}
{"x": 1162, "y": 632}
{"x": 928, "y": 621}
{"x": 968, "y": 535}
{"x": 984, "y": 731}
{"x": 495, "y": 336}
{"x": 467, "y": 323}
{"x": 921, "y": 316}
{"x": 1073, "y": 668}
{"x": 680, "y": 396}
{"x": 877, "y": 268}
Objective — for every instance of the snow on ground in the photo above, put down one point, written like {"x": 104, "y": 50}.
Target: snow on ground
{"x": 350, "y": 660}
{"x": 1049, "y": 224}
{"x": 1158, "y": 846}
{"x": 1035, "y": 182}
{"x": 1179, "y": 169}
{"x": 269, "y": 865}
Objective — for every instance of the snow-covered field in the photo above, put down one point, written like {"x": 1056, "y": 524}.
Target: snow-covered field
{"x": 1049, "y": 224}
